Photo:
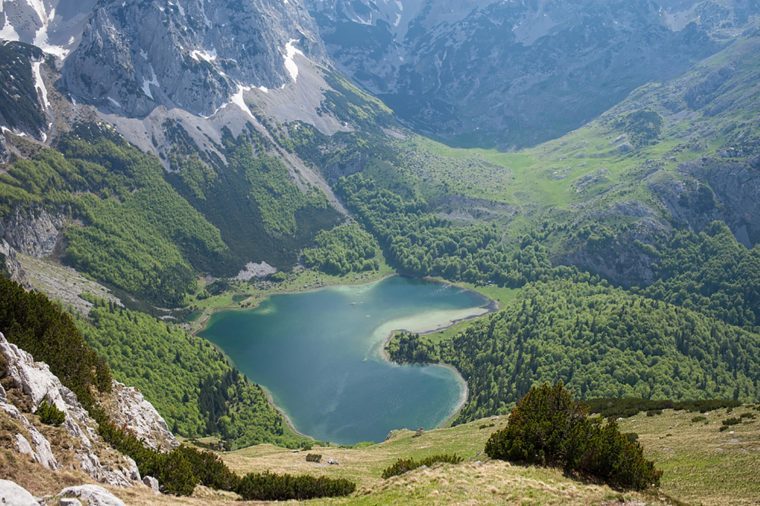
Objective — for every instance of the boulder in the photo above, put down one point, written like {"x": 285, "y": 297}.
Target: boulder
{"x": 90, "y": 495}
{"x": 15, "y": 495}
{"x": 152, "y": 483}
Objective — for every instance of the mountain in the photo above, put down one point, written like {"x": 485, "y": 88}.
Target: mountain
{"x": 55, "y": 26}
{"x": 195, "y": 55}
{"x": 513, "y": 74}
{"x": 590, "y": 165}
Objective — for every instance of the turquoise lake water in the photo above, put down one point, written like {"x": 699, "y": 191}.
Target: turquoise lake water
{"x": 319, "y": 355}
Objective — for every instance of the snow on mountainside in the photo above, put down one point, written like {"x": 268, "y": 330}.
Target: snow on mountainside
{"x": 198, "y": 55}
{"x": 52, "y": 25}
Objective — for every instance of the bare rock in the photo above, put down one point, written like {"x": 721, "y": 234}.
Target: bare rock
{"x": 15, "y": 495}
{"x": 91, "y": 495}
{"x": 69, "y": 501}
{"x": 254, "y": 270}
{"x": 132, "y": 411}
{"x": 151, "y": 483}
{"x": 33, "y": 231}
{"x": 36, "y": 383}
{"x": 9, "y": 262}
{"x": 39, "y": 448}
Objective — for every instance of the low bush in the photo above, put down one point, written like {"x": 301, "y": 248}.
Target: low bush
{"x": 629, "y": 406}
{"x": 698, "y": 419}
{"x": 314, "y": 457}
{"x": 274, "y": 487}
{"x": 402, "y": 466}
{"x": 548, "y": 427}
{"x": 49, "y": 414}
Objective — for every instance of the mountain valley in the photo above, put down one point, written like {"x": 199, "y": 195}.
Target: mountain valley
{"x": 590, "y": 169}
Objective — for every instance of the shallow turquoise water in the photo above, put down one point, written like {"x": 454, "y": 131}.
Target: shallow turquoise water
{"x": 318, "y": 354}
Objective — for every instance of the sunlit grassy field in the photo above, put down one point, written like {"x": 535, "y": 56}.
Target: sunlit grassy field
{"x": 701, "y": 465}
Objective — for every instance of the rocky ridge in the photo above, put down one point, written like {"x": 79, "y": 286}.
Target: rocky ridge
{"x": 196, "y": 55}
{"x": 76, "y": 445}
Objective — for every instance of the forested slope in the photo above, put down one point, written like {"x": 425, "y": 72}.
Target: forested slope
{"x": 601, "y": 341}
{"x": 186, "y": 378}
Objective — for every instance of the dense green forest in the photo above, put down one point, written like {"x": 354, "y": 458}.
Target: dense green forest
{"x": 601, "y": 341}
{"x": 346, "y": 248}
{"x": 419, "y": 243}
{"x": 129, "y": 228}
{"x": 186, "y": 378}
{"x": 133, "y": 225}
{"x": 710, "y": 272}
{"x": 252, "y": 198}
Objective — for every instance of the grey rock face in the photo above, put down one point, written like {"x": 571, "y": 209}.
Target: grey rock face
{"x": 139, "y": 416}
{"x": 195, "y": 55}
{"x": 507, "y": 74}
{"x": 9, "y": 263}
{"x": 23, "y": 93}
{"x": 32, "y": 231}
{"x": 713, "y": 189}
{"x": 36, "y": 383}
{"x": 52, "y": 25}
{"x": 16, "y": 495}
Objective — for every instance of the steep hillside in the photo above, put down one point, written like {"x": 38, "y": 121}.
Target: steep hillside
{"x": 505, "y": 74}
{"x": 196, "y": 55}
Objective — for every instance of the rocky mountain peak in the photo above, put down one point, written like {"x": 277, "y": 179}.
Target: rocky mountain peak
{"x": 196, "y": 55}
{"x": 515, "y": 73}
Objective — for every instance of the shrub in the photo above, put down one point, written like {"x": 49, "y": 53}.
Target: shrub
{"x": 732, "y": 421}
{"x": 547, "y": 427}
{"x": 402, "y": 466}
{"x": 49, "y": 414}
{"x": 698, "y": 419}
{"x": 175, "y": 474}
{"x": 314, "y": 457}
{"x": 629, "y": 406}
{"x": 209, "y": 468}
{"x": 178, "y": 471}
{"x": 272, "y": 487}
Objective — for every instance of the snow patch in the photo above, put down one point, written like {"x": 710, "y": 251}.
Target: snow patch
{"x": 239, "y": 100}
{"x": 39, "y": 9}
{"x": 147, "y": 83}
{"x": 290, "y": 64}
{"x": 8, "y": 32}
{"x": 41, "y": 41}
{"x": 204, "y": 55}
{"x": 39, "y": 84}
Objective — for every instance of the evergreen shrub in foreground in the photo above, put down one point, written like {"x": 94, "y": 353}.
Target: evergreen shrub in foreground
{"x": 548, "y": 427}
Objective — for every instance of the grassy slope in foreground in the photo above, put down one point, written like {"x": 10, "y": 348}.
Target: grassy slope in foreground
{"x": 701, "y": 464}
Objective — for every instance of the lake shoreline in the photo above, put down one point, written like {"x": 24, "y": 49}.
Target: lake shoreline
{"x": 464, "y": 395}
{"x": 488, "y": 306}
{"x": 201, "y": 323}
